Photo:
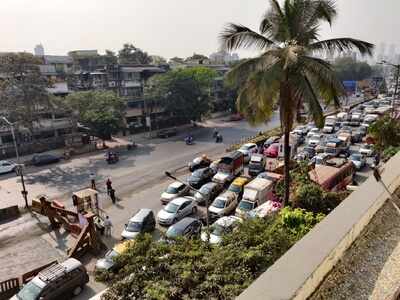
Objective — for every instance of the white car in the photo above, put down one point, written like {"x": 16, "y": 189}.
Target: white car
{"x": 224, "y": 204}
{"x": 174, "y": 190}
{"x": 328, "y": 129}
{"x": 313, "y": 131}
{"x": 176, "y": 210}
{"x": 6, "y": 166}
{"x": 315, "y": 139}
{"x": 219, "y": 228}
{"x": 247, "y": 150}
{"x": 358, "y": 160}
{"x": 367, "y": 150}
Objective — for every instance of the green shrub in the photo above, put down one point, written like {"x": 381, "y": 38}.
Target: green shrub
{"x": 310, "y": 197}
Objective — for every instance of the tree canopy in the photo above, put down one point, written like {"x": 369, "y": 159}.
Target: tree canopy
{"x": 23, "y": 91}
{"x": 348, "y": 68}
{"x": 101, "y": 111}
{"x": 185, "y": 93}
{"x": 192, "y": 269}
{"x": 129, "y": 54}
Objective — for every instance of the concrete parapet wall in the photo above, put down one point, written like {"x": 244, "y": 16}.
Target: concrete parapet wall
{"x": 299, "y": 272}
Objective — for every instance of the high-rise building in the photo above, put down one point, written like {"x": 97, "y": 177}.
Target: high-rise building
{"x": 39, "y": 50}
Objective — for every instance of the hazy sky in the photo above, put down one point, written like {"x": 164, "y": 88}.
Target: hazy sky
{"x": 167, "y": 27}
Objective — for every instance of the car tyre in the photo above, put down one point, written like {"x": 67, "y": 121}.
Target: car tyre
{"x": 77, "y": 290}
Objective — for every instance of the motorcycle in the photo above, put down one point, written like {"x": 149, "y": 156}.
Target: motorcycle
{"x": 189, "y": 140}
{"x": 131, "y": 145}
{"x": 112, "y": 158}
{"x": 218, "y": 138}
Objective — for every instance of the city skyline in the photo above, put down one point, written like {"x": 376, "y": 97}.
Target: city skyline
{"x": 167, "y": 28}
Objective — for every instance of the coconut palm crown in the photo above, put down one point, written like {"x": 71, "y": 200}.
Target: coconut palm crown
{"x": 287, "y": 73}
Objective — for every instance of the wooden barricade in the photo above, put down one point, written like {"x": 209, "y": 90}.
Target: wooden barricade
{"x": 9, "y": 288}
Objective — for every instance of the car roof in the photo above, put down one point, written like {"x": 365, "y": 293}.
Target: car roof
{"x": 185, "y": 222}
{"x": 241, "y": 181}
{"x": 199, "y": 171}
{"x": 210, "y": 184}
{"x": 176, "y": 184}
{"x": 123, "y": 246}
{"x": 71, "y": 264}
{"x": 180, "y": 200}
{"x": 227, "y": 221}
{"x": 249, "y": 145}
{"x": 140, "y": 215}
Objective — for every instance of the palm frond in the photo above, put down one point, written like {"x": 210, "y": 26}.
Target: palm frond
{"x": 236, "y": 36}
{"x": 324, "y": 10}
{"x": 323, "y": 78}
{"x": 343, "y": 44}
{"x": 305, "y": 90}
{"x": 257, "y": 96}
{"x": 239, "y": 74}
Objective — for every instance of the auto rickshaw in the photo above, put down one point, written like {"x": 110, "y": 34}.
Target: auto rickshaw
{"x": 112, "y": 157}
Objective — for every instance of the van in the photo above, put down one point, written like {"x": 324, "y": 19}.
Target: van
{"x": 58, "y": 281}
{"x": 255, "y": 193}
{"x": 256, "y": 164}
{"x": 143, "y": 221}
{"x": 229, "y": 167}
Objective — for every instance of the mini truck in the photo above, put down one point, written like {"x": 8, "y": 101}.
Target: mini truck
{"x": 255, "y": 193}
{"x": 229, "y": 167}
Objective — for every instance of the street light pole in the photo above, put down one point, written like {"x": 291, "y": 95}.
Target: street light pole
{"x": 193, "y": 189}
{"x": 19, "y": 168}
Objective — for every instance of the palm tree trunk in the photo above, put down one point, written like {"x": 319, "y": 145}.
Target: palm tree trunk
{"x": 286, "y": 153}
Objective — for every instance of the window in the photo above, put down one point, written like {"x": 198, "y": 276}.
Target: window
{"x": 184, "y": 205}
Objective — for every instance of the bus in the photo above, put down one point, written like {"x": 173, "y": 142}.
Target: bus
{"x": 333, "y": 178}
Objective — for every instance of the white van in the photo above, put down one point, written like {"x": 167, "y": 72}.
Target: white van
{"x": 255, "y": 193}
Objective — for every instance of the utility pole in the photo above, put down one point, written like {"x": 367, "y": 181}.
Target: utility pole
{"x": 19, "y": 167}
{"x": 397, "y": 78}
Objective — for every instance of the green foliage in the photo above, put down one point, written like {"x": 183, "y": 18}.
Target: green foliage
{"x": 184, "y": 92}
{"x": 23, "y": 91}
{"x": 192, "y": 269}
{"x": 101, "y": 111}
{"x": 386, "y": 132}
{"x": 310, "y": 197}
{"x": 299, "y": 221}
{"x": 348, "y": 68}
{"x": 129, "y": 54}
{"x": 390, "y": 152}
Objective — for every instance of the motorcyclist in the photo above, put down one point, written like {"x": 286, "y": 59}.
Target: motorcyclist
{"x": 215, "y": 133}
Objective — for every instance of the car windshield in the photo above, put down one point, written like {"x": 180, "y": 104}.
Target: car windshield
{"x": 234, "y": 188}
{"x": 217, "y": 229}
{"x": 367, "y": 147}
{"x": 173, "y": 232}
{"x": 111, "y": 254}
{"x": 205, "y": 190}
{"x": 171, "y": 190}
{"x": 330, "y": 150}
{"x": 171, "y": 207}
{"x": 219, "y": 203}
{"x": 29, "y": 292}
{"x": 246, "y": 205}
{"x": 134, "y": 226}
{"x": 197, "y": 174}
{"x": 355, "y": 157}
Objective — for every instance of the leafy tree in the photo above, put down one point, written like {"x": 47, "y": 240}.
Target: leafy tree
{"x": 23, "y": 91}
{"x": 185, "y": 92}
{"x": 196, "y": 57}
{"x": 101, "y": 111}
{"x": 386, "y": 132}
{"x": 348, "y": 68}
{"x": 157, "y": 60}
{"x": 286, "y": 73}
{"x": 129, "y": 54}
{"x": 192, "y": 269}
{"x": 110, "y": 58}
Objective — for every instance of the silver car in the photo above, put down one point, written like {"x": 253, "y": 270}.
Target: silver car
{"x": 176, "y": 210}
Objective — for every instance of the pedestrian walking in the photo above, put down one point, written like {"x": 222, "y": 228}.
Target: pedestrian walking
{"x": 109, "y": 186}
{"x": 107, "y": 226}
{"x": 377, "y": 159}
{"x": 112, "y": 196}
{"x": 92, "y": 181}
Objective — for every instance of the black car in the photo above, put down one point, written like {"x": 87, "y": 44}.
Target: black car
{"x": 199, "y": 163}
{"x": 187, "y": 227}
{"x": 200, "y": 177}
{"x": 208, "y": 192}
{"x": 166, "y": 133}
{"x": 44, "y": 159}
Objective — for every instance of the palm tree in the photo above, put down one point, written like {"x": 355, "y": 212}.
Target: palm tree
{"x": 286, "y": 73}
